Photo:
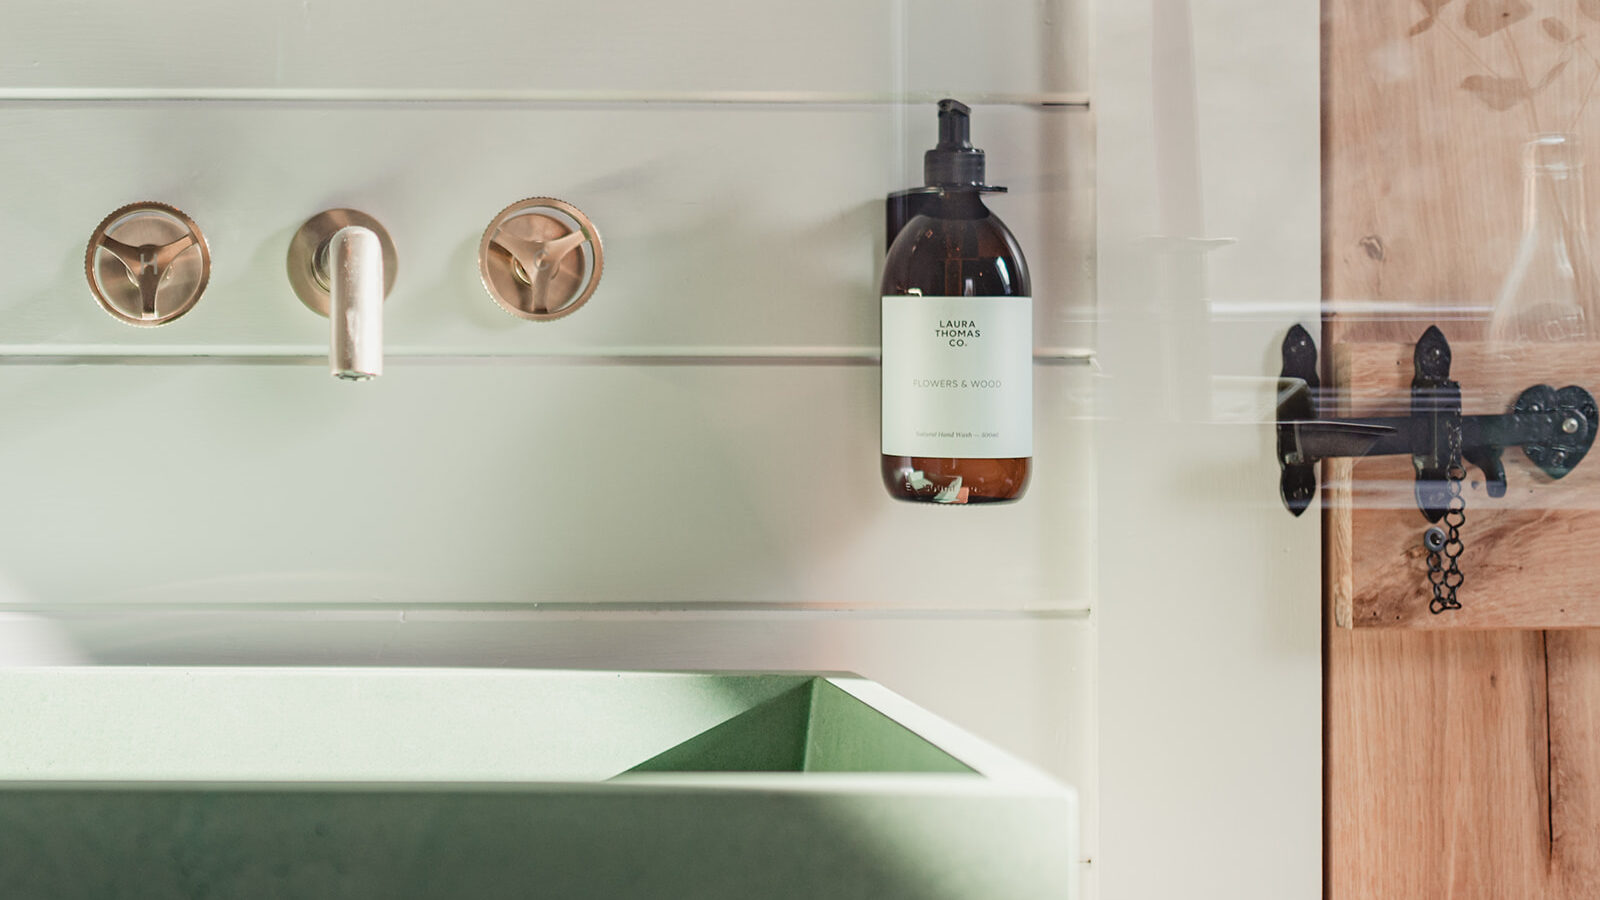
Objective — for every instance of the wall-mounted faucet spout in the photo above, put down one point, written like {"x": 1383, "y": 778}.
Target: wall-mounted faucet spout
{"x": 354, "y": 266}
{"x": 342, "y": 265}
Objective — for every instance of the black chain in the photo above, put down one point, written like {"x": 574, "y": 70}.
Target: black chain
{"x": 1444, "y": 549}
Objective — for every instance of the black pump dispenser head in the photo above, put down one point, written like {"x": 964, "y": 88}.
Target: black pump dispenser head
{"x": 953, "y": 166}
{"x": 954, "y": 162}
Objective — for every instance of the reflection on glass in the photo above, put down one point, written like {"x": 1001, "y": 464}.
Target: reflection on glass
{"x": 1549, "y": 293}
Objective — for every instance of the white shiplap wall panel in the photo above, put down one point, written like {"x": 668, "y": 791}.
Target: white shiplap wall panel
{"x": 735, "y": 155}
{"x": 596, "y": 47}
{"x": 510, "y": 483}
{"x": 726, "y": 228}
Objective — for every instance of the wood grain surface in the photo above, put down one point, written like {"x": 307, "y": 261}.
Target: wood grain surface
{"x": 1528, "y": 557}
{"x": 1437, "y": 765}
{"x": 1573, "y": 659}
{"x": 1461, "y": 764}
{"x": 1422, "y": 173}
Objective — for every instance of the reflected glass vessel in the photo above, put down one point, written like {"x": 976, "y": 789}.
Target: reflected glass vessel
{"x": 1549, "y": 293}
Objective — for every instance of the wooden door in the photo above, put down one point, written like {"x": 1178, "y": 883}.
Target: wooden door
{"x": 1463, "y": 749}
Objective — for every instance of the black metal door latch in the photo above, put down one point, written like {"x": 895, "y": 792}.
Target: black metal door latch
{"x": 1554, "y": 428}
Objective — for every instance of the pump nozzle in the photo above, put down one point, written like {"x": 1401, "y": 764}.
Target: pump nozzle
{"x": 955, "y": 125}
{"x": 954, "y": 162}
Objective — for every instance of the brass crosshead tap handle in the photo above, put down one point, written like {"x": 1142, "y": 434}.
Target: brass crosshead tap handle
{"x": 140, "y": 267}
{"x": 541, "y": 258}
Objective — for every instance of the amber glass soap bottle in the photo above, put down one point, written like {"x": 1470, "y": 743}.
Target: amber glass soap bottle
{"x": 957, "y": 338}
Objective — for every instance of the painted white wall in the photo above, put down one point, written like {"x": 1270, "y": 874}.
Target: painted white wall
{"x": 1209, "y": 615}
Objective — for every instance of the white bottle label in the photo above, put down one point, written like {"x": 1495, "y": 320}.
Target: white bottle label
{"x": 958, "y": 377}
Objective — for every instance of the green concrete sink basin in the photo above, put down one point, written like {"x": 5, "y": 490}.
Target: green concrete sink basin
{"x": 391, "y": 783}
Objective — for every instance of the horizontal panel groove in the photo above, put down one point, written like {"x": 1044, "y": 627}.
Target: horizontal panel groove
{"x": 598, "y": 611}
{"x": 1070, "y": 100}
{"x": 654, "y": 356}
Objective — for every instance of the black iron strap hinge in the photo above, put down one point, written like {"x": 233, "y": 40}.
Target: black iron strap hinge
{"x": 1553, "y": 427}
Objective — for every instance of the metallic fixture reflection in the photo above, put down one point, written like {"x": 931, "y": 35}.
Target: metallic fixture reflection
{"x": 541, "y": 258}
{"x": 147, "y": 263}
{"x": 342, "y": 265}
